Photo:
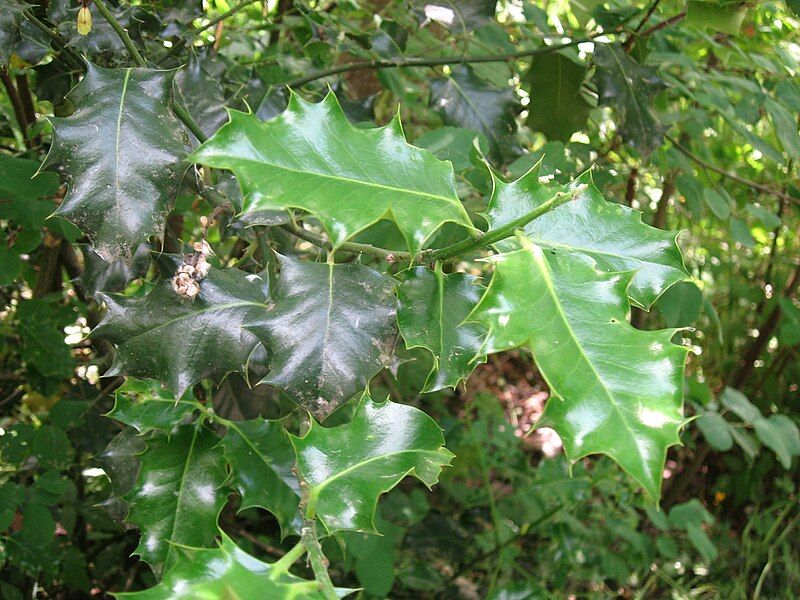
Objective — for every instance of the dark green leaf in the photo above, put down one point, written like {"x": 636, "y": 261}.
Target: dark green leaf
{"x": 348, "y": 467}
{"x": 146, "y": 406}
{"x": 201, "y": 95}
{"x": 557, "y": 108}
{"x": 123, "y": 154}
{"x": 465, "y": 100}
{"x": 179, "y": 341}
{"x": 331, "y": 329}
{"x": 177, "y": 496}
{"x": 261, "y": 460}
{"x": 628, "y": 88}
{"x": 431, "y": 310}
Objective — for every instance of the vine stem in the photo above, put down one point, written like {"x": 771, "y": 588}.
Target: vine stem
{"x": 120, "y": 30}
{"x": 432, "y": 62}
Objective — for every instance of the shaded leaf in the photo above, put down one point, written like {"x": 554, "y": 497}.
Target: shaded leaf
{"x": 780, "y": 434}
{"x": 348, "y": 467}
{"x": 178, "y": 341}
{"x": 311, "y": 157}
{"x": 612, "y": 234}
{"x": 201, "y": 95}
{"x": 737, "y": 402}
{"x": 716, "y": 430}
{"x": 120, "y": 460}
{"x": 101, "y": 276}
{"x": 465, "y": 100}
{"x": 628, "y": 88}
{"x": 431, "y": 310}
{"x": 177, "y": 496}
{"x": 261, "y": 460}
{"x": 122, "y": 152}
{"x": 616, "y": 390}
{"x": 227, "y": 572}
{"x": 557, "y": 107}
{"x": 462, "y": 16}
{"x": 331, "y": 329}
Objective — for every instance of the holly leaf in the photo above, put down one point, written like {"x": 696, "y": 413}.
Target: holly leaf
{"x": 616, "y": 390}
{"x": 177, "y": 496}
{"x": 261, "y": 459}
{"x": 465, "y": 100}
{"x": 178, "y": 341}
{"x": 101, "y": 276}
{"x": 310, "y": 157}
{"x": 431, "y": 311}
{"x": 557, "y": 107}
{"x": 201, "y": 95}
{"x": 124, "y": 179}
{"x": 147, "y": 406}
{"x": 628, "y": 88}
{"x": 332, "y": 328}
{"x": 227, "y": 572}
{"x": 612, "y": 234}
{"x": 365, "y": 458}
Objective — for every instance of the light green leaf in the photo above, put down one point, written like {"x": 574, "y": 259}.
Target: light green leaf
{"x": 768, "y": 218}
{"x": 740, "y": 233}
{"x": 720, "y": 205}
{"x": 785, "y": 124}
{"x": 227, "y": 572}
{"x": 780, "y": 434}
{"x": 612, "y": 234}
{"x": 725, "y": 17}
{"x": 331, "y": 329}
{"x": 177, "y": 496}
{"x": 737, "y": 402}
{"x": 123, "y": 152}
{"x": 628, "y": 88}
{"x": 180, "y": 341}
{"x": 454, "y": 144}
{"x": 616, "y": 390}
{"x": 746, "y": 442}
{"x": 147, "y": 406}
{"x": 557, "y": 107}
{"x": 431, "y": 310}
{"x": 348, "y": 467}
{"x": 261, "y": 459}
{"x": 312, "y": 158}
{"x": 716, "y": 430}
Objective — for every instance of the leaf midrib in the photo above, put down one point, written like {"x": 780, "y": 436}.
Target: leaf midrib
{"x": 119, "y": 128}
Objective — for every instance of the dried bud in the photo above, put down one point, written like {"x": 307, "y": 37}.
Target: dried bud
{"x": 84, "y": 21}
{"x": 185, "y": 285}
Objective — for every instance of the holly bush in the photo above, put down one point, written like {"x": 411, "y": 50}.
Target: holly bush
{"x": 315, "y": 299}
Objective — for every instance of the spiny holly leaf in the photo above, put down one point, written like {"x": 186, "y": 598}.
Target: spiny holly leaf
{"x": 177, "y": 496}
{"x": 628, "y": 88}
{"x": 201, "y": 95}
{"x": 179, "y": 341}
{"x": 431, "y": 310}
{"x": 557, "y": 108}
{"x": 348, "y": 467}
{"x": 18, "y": 37}
{"x": 612, "y": 234}
{"x": 228, "y": 572}
{"x": 312, "y": 158}
{"x": 123, "y": 154}
{"x": 332, "y": 328}
{"x": 146, "y": 406}
{"x": 261, "y": 460}
{"x": 465, "y": 100}
{"x": 616, "y": 390}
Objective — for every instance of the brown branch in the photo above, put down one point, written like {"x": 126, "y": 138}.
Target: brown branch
{"x": 16, "y": 104}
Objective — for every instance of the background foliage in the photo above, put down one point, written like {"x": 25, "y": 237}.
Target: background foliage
{"x": 687, "y": 112}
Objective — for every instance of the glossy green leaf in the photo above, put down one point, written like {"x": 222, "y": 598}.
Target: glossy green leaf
{"x": 227, "y": 573}
{"x": 628, "y": 88}
{"x": 557, "y": 107}
{"x": 348, "y": 467}
{"x": 465, "y": 100}
{"x": 431, "y": 310}
{"x": 201, "y": 95}
{"x": 123, "y": 153}
{"x": 332, "y": 327}
{"x": 312, "y": 158}
{"x": 261, "y": 459}
{"x": 177, "y": 496}
{"x": 781, "y": 435}
{"x": 146, "y": 406}
{"x": 612, "y": 234}
{"x": 616, "y": 390}
{"x": 180, "y": 341}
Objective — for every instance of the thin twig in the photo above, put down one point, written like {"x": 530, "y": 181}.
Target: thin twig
{"x": 321, "y": 242}
{"x": 732, "y": 176}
